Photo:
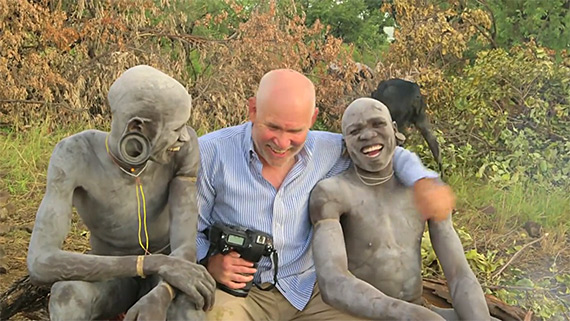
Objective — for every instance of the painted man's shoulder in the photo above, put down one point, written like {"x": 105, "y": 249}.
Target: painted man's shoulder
{"x": 83, "y": 141}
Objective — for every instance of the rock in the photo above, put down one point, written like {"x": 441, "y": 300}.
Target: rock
{"x": 488, "y": 210}
{"x": 3, "y": 214}
{"x": 3, "y": 269}
{"x": 4, "y": 229}
{"x": 4, "y": 197}
{"x": 28, "y": 228}
{"x": 533, "y": 229}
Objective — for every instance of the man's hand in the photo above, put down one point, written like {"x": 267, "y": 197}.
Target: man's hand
{"x": 231, "y": 270}
{"x": 152, "y": 306}
{"x": 433, "y": 199}
{"x": 190, "y": 278}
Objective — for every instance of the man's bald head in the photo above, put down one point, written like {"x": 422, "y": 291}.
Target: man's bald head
{"x": 285, "y": 85}
{"x": 142, "y": 89}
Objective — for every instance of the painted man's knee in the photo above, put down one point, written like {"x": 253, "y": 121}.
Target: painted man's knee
{"x": 184, "y": 309}
{"x": 70, "y": 300}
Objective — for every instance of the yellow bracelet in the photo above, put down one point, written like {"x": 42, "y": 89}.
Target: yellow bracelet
{"x": 140, "y": 263}
{"x": 170, "y": 290}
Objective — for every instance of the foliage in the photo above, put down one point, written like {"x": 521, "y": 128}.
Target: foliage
{"x": 543, "y": 297}
{"x": 60, "y": 64}
{"x": 359, "y": 22}
{"x": 515, "y": 107}
{"x": 519, "y": 21}
{"x": 500, "y": 114}
{"x": 483, "y": 264}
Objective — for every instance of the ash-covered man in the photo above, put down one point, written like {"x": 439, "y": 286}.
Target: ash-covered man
{"x": 259, "y": 176}
{"x": 367, "y": 233}
{"x": 134, "y": 188}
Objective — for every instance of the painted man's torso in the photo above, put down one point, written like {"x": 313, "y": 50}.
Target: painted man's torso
{"x": 382, "y": 231}
{"x": 106, "y": 199}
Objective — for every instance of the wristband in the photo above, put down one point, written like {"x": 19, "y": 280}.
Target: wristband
{"x": 140, "y": 264}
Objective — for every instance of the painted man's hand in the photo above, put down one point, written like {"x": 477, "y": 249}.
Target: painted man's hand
{"x": 231, "y": 270}
{"x": 190, "y": 278}
{"x": 433, "y": 199}
{"x": 152, "y": 306}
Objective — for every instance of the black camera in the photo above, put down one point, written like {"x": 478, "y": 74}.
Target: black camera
{"x": 252, "y": 245}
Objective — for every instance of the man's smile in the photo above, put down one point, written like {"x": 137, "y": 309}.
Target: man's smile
{"x": 372, "y": 150}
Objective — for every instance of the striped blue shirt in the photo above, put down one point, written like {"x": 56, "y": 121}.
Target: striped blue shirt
{"x": 232, "y": 190}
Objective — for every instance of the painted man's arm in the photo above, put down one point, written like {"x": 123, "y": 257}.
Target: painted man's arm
{"x": 183, "y": 222}
{"x": 466, "y": 292}
{"x": 339, "y": 288}
{"x": 182, "y": 201}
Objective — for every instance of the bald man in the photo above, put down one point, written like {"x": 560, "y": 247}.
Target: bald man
{"x": 134, "y": 188}
{"x": 367, "y": 234}
{"x": 259, "y": 176}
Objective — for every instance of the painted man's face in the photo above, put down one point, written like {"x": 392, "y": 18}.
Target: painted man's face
{"x": 369, "y": 134}
{"x": 169, "y": 139}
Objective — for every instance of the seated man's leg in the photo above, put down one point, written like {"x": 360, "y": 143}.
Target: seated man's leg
{"x": 80, "y": 300}
{"x": 317, "y": 309}
{"x": 447, "y": 314}
{"x": 258, "y": 305}
{"x": 184, "y": 309}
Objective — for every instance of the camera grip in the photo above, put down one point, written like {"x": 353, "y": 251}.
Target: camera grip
{"x": 238, "y": 292}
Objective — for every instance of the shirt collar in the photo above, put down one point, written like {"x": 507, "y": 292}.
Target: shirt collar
{"x": 248, "y": 142}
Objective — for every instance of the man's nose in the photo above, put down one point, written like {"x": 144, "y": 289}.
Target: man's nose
{"x": 367, "y": 134}
{"x": 282, "y": 141}
{"x": 184, "y": 136}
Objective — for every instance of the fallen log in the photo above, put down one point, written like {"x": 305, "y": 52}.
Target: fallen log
{"x": 437, "y": 293}
{"x": 26, "y": 298}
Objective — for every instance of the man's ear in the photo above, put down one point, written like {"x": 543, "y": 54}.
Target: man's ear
{"x": 400, "y": 138}
{"x": 135, "y": 124}
{"x": 314, "y": 117}
{"x": 251, "y": 102}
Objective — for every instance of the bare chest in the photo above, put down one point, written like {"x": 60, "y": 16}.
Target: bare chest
{"x": 383, "y": 224}
{"x": 115, "y": 208}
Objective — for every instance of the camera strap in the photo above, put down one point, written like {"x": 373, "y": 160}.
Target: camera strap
{"x": 275, "y": 263}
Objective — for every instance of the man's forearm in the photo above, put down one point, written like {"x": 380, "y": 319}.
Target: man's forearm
{"x": 469, "y": 299}
{"x": 183, "y": 216}
{"x": 49, "y": 267}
